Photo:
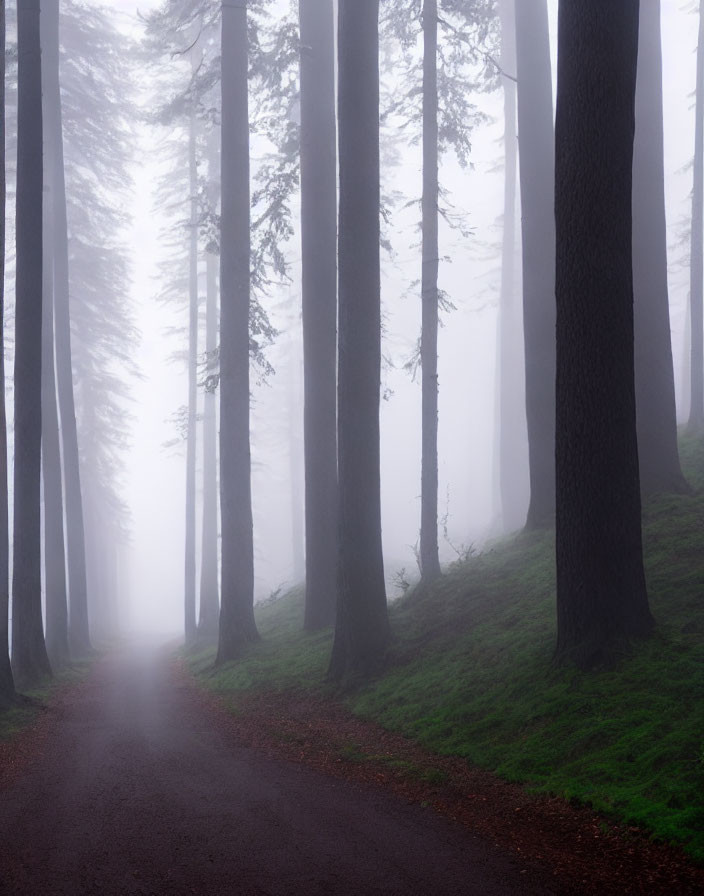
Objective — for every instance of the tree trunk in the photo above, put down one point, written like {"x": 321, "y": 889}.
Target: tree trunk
{"x": 536, "y": 152}
{"x": 429, "y": 560}
{"x": 512, "y": 462}
{"x": 295, "y": 463}
{"x": 29, "y": 657}
{"x": 54, "y": 545}
{"x": 655, "y": 380}
{"x": 237, "y": 625}
{"x": 362, "y": 626}
{"x": 601, "y": 595}
{"x": 696, "y": 287}
{"x": 75, "y": 531}
{"x": 209, "y": 597}
{"x": 7, "y": 685}
{"x": 189, "y": 590}
{"x": 319, "y": 286}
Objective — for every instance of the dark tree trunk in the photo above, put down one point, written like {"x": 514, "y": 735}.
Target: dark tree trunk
{"x": 319, "y": 278}
{"x": 536, "y": 153}
{"x": 362, "y": 626}
{"x": 54, "y": 545}
{"x": 429, "y": 560}
{"x": 189, "y": 588}
{"x": 601, "y": 595}
{"x": 655, "y": 381}
{"x": 75, "y": 531}
{"x": 29, "y": 657}
{"x": 7, "y": 685}
{"x": 209, "y": 597}
{"x": 511, "y": 416}
{"x": 237, "y": 625}
{"x": 696, "y": 287}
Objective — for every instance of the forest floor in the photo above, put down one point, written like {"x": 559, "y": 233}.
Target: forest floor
{"x": 135, "y": 780}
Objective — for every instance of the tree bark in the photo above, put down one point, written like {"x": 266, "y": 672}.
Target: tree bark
{"x": 512, "y": 462}
{"x": 54, "y": 544}
{"x": 655, "y": 380}
{"x": 7, "y": 684}
{"x": 602, "y": 602}
{"x": 189, "y": 588}
{"x": 79, "y": 633}
{"x": 429, "y": 559}
{"x": 319, "y": 289}
{"x": 209, "y": 591}
{"x": 362, "y": 626}
{"x": 237, "y": 625}
{"x": 696, "y": 287}
{"x": 536, "y": 153}
{"x": 29, "y": 656}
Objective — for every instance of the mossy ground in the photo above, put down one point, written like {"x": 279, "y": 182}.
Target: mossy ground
{"x": 470, "y": 674}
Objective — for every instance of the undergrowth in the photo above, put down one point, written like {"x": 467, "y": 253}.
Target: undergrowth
{"x": 470, "y": 674}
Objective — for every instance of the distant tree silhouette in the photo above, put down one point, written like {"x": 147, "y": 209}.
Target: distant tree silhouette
{"x": 696, "y": 287}
{"x": 601, "y": 595}
{"x": 655, "y": 381}
{"x": 362, "y": 625}
{"x": 319, "y": 296}
{"x": 536, "y": 158}
{"x": 29, "y": 657}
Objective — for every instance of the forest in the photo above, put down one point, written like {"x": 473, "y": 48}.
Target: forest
{"x": 352, "y": 447}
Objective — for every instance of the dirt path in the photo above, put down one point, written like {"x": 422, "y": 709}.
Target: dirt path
{"x": 137, "y": 789}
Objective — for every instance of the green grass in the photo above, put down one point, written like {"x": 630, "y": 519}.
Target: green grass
{"x": 470, "y": 674}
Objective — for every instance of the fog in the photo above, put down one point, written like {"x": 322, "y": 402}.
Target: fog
{"x": 155, "y": 476}
{"x": 152, "y": 482}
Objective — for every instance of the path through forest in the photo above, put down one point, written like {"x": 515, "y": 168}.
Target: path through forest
{"x": 138, "y": 790}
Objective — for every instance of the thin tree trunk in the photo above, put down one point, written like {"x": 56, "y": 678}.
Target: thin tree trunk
{"x": 655, "y": 380}
{"x": 79, "y": 633}
{"x": 429, "y": 559}
{"x": 190, "y": 546}
{"x": 319, "y": 288}
{"x": 602, "y": 603}
{"x": 29, "y": 657}
{"x": 295, "y": 459}
{"x": 535, "y": 133}
{"x": 362, "y": 626}
{"x": 54, "y": 545}
{"x": 696, "y": 286}
{"x": 511, "y": 416}
{"x": 7, "y": 685}
{"x": 237, "y": 625}
{"x": 209, "y": 596}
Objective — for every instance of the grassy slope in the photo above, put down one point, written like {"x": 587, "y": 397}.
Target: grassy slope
{"x": 15, "y": 719}
{"x": 471, "y": 675}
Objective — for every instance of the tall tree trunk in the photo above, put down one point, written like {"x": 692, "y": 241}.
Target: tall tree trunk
{"x": 189, "y": 590}
{"x": 511, "y": 398}
{"x": 237, "y": 625}
{"x": 655, "y": 380}
{"x": 429, "y": 560}
{"x": 29, "y": 657}
{"x": 362, "y": 625}
{"x": 54, "y": 545}
{"x": 79, "y": 633}
{"x": 7, "y": 685}
{"x": 209, "y": 596}
{"x": 535, "y": 134}
{"x": 601, "y": 595}
{"x": 696, "y": 286}
{"x": 319, "y": 285}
